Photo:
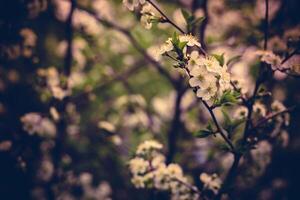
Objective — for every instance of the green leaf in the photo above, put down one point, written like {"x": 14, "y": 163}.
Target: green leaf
{"x": 185, "y": 14}
{"x": 220, "y": 58}
{"x": 233, "y": 59}
{"x": 227, "y": 119}
{"x": 181, "y": 45}
{"x": 210, "y": 127}
{"x": 230, "y": 124}
{"x": 175, "y": 39}
{"x": 203, "y": 133}
{"x": 198, "y": 21}
{"x": 228, "y": 98}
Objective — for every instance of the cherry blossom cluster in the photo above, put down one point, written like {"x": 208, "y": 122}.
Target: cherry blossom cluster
{"x": 149, "y": 14}
{"x": 34, "y": 123}
{"x": 207, "y": 74}
{"x": 149, "y": 170}
{"x": 209, "y": 77}
{"x": 53, "y": 82}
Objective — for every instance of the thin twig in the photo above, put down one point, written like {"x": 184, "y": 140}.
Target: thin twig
{"x": 290, "y": 55}
{"x": 236, "y": 89}
{"x": 264, "y": 120}
{"x": 260, "y": 77}
{"x": 166, "y": 18}
{"x": 219, "y": 129}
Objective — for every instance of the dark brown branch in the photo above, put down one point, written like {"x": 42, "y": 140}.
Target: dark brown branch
{"x": 58, "y": 149}
{"x": 219, "y": 129}
{"x": 69, "y": 36}
{"x": 237, "y": 156}
{"x": 236, "y": 89}
{"x": 290, "y": 55}
{"x": 204, "y": 23}
{"x": 287, "y": 72}
{"x": 260, "y": 76}
{"x": 175, "y": 124}
{"x": 263, "y": 121}
{"x": 166, "y": 18}
{"x": 230, "y": 176}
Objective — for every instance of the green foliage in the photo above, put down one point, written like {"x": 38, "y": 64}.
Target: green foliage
{"x": 229, "y": 97}
{"x": 233, "y": 60}
{"x": 205, "y": 132}
{"x": 191, "y": 21}
{"x": 230, "y": 124}
{"x": 220, "y": 58}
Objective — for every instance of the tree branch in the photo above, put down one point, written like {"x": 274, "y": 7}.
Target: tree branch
{"x": 166, "y": 18}
{"x": 237, "y": 156}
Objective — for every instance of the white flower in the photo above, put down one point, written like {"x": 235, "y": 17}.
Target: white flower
{"x": 174, "y": 170}
{"x": 138, "y": 181}
{"x": 270, "y": 58}
{"x": 86, "y": 178}
{"x": 53, "y": 82}
{"x": 224, "y": 80}
{"x": 148, "y": 146}
{"x": 208, "y": 93}
{"x": 211, "y": 64}
{"x": 161, "y": 178}
{"x": 158, "y": 160}
{"x": 201, "y": 78}
{"x": 240, "y": 113}
{"x": 107, "y": 126}
{"x": 190, "y": 39}
{"x": 260, "y": 109}
{"x": 131, "y": 4}
{"x": 154, "y": 173}
{"x": 194, "y": 60}
{"x": 277, "y": 106}
{"x": 138, "y": 166}
{"x": 87, "y": 22}
{"x": 211, "y": 182}
{"x": 149, "y": 14}
{"x": 54, "y": 113}
{"x": 146, "y": 21}
{"x": 167, "y": 46}
{"x": 59, "y": 93}
{"x": 5, "y": 145}
{"x": 155, "y": 52}
{"x": 35, "y": 123}
{"x": 116, "y": 140}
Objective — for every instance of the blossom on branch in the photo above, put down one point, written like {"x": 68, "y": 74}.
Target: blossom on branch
{"x": 150, "y": 171}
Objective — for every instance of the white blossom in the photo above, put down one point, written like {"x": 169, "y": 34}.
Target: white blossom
{"x": 240, "y": 113}
{"x": 149, "y": 14}
{"x": 208, "y": 76}
{"x": 132, "y": 4}
{"x": 190, "y": 39}
{"x": 259, "y": 109}
{"x": 270, "y": 58}
{"x": 277, "y": 106}
{"x": 148, "y": 146}
{"x": 152, "y": 172}
{"x": 35, "y": 123}
{"x": 211, "y": 182}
